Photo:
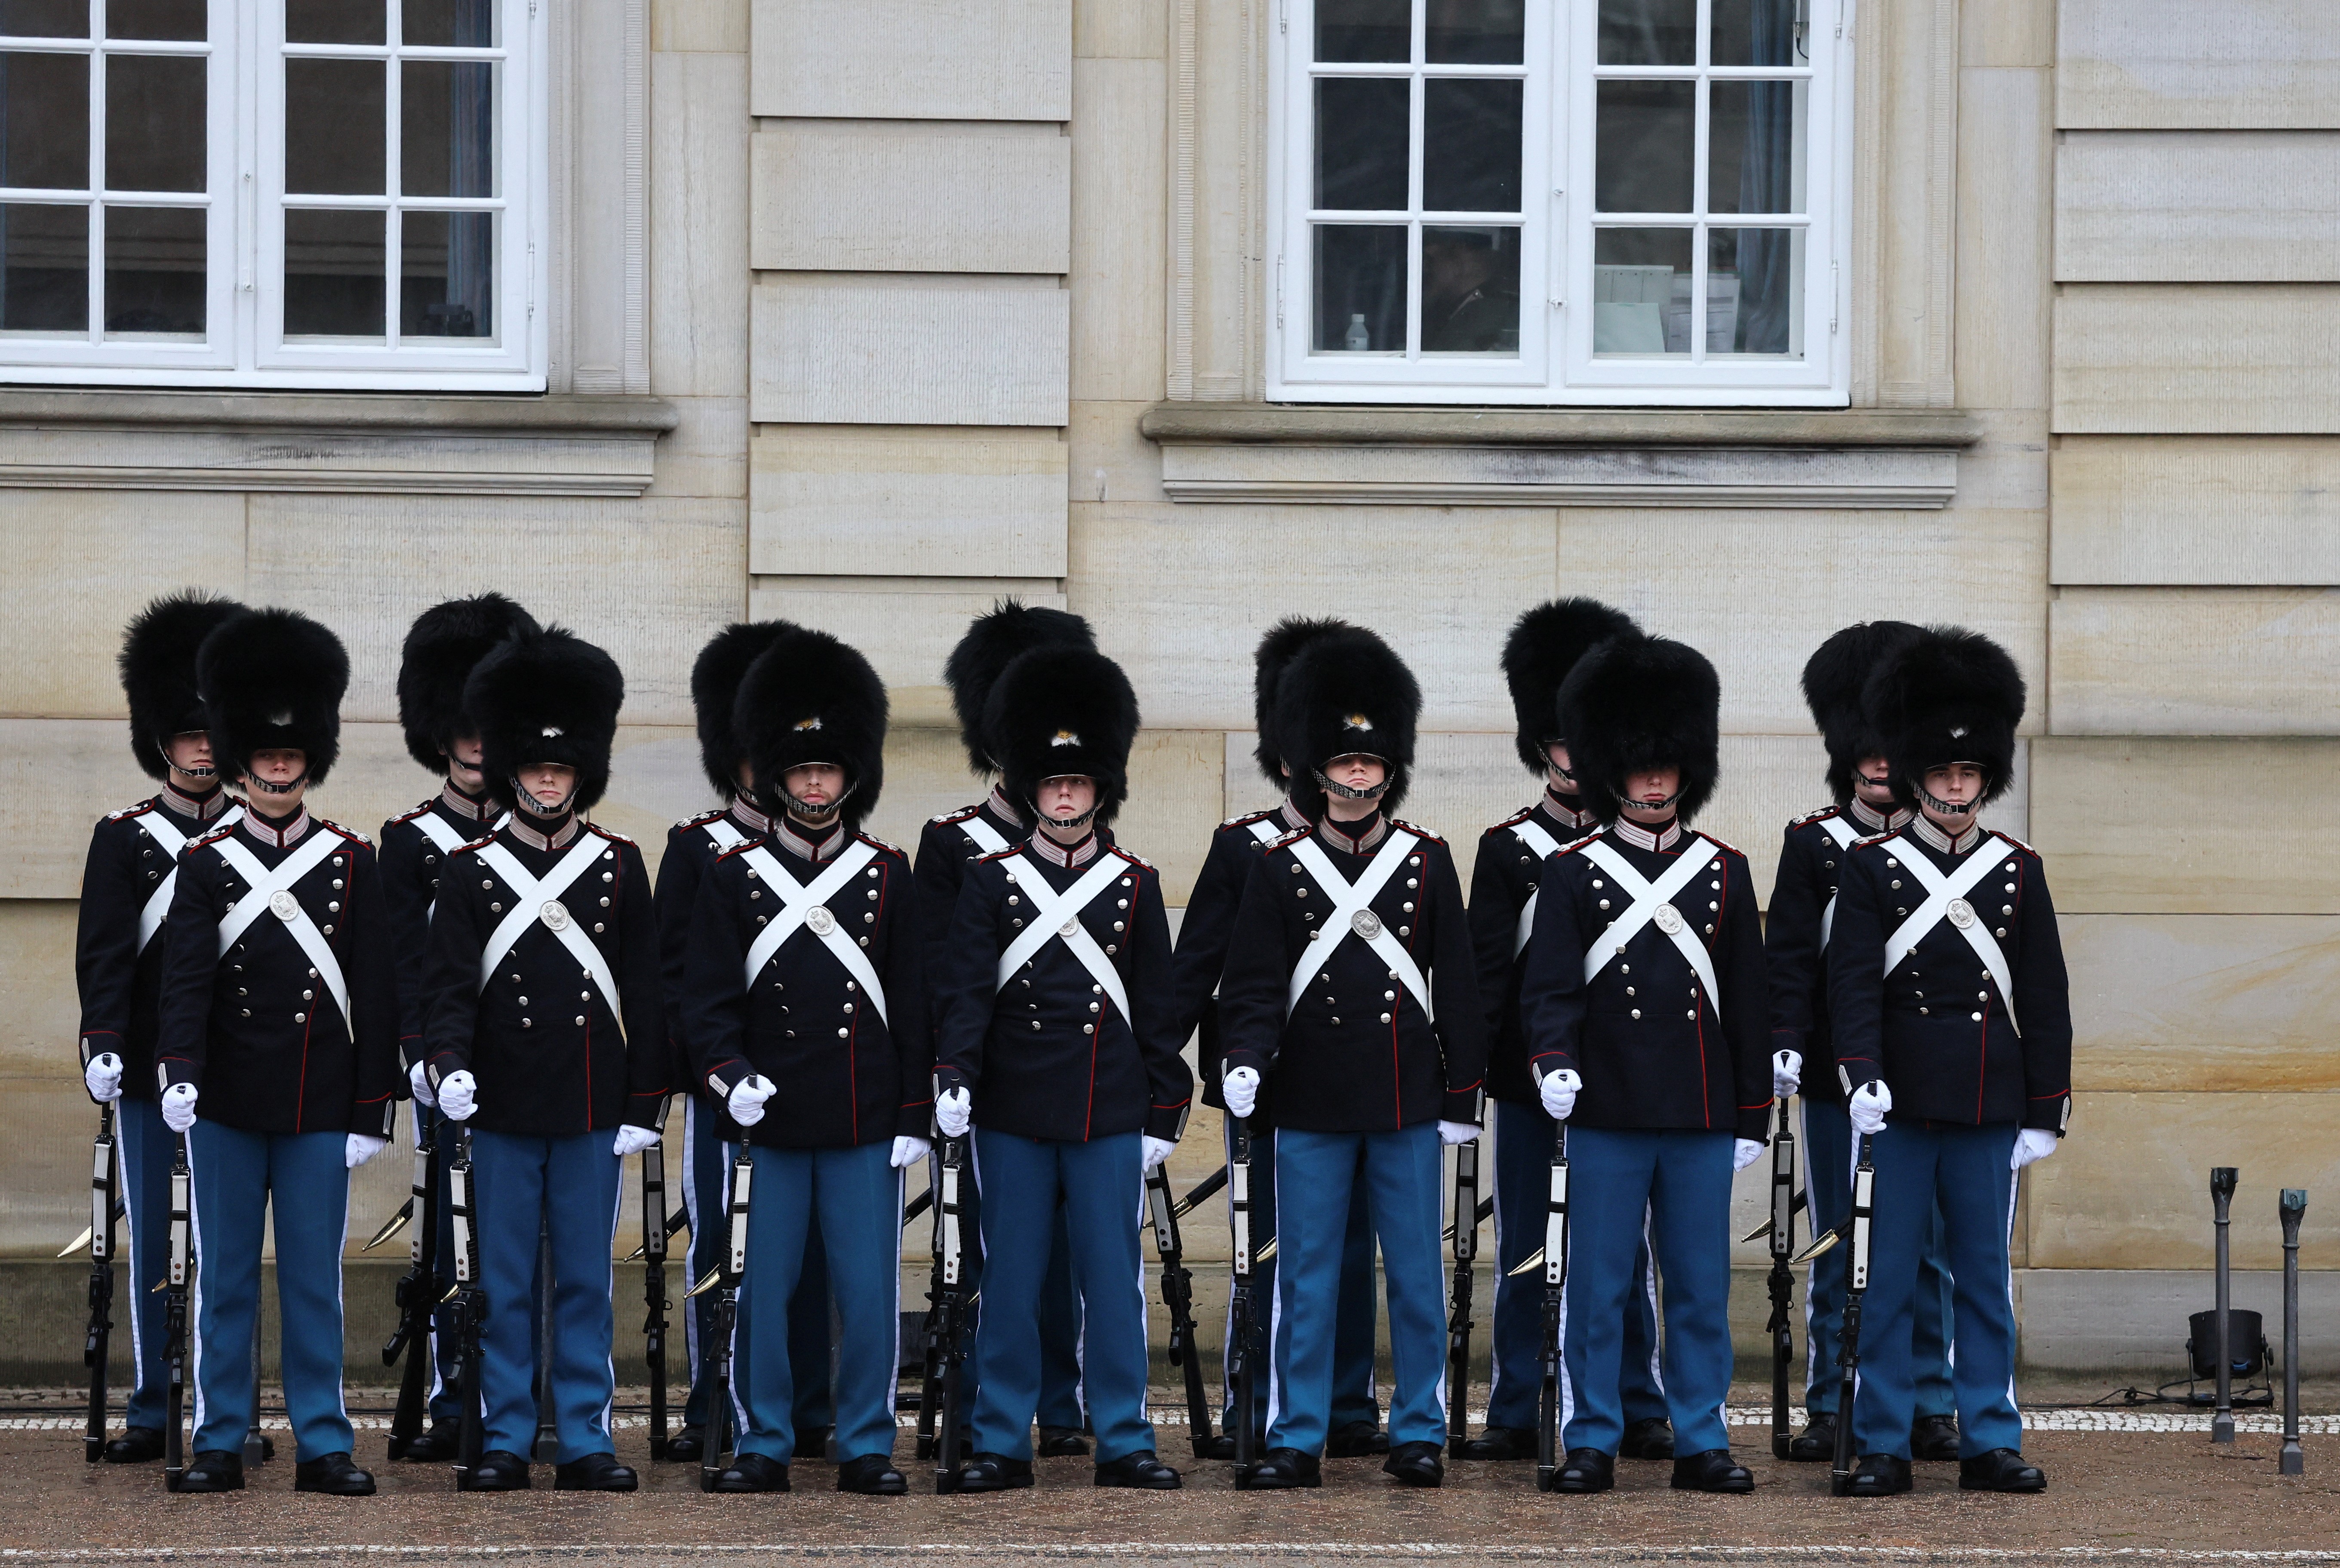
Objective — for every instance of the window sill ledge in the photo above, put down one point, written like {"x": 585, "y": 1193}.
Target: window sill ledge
{"x": 280, "y": 441}
{"x": 1902, "y": 459}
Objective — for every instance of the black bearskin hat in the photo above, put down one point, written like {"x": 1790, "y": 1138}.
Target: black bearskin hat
{"x": 992, "y": 642}
{"x": 1345, "y": 691}
{"x": 1946, "y": 695}
{"x": 546, "y": 695}
{"x": 273, "y": 678}
{"x": 1643, "y": 702}
{"x": 1283, "y": 641}
{"x": 715, "y": 679}
{"x": 1544, "y": 645}
{"x": 810, "y": 698}
{"x": 445, "y": 641}
{"x": 158, "y": 670}
{"x": 1058, "y": 710}
{"x": 1834, "y": 679}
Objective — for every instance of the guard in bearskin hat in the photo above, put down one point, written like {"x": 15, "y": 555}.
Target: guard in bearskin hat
{"x": 1643, "y": 1003}
{"x": 946, "y": 846}
{"x": 692, "y": 845}
{"x": 1058, "y": 1040}
{"x": 546, "y": 1036}
{"x": 1799, "y": 920}
{"x": 803, "y": 968}
{"x": 1372, "y": 1062}
{"x": 126, "y": 888}
{"x": 1205, "y": 935}
{"x": 1544, "y": 645}
{"x": 278, "y": 1053}
{"x": 1952, "y": 1029}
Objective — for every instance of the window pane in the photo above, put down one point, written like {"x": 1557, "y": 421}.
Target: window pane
{"x": 1475, "y": 31}
{"x": 1756, "y": 33}
{"x": 332, "y": 127}
{"x": 1754, "y": 285}
{"x": 1361, "y": 136}
{"x": 463, "y": 24}
{"x": 333, "y": 274}
{"x": 1364, "y": 30}
{"x": 333, "y": 22}
{"x": 1649, "y": 32}
{"x": 1471, "y": 146}
{"x": 44, "y": 18}
{"x": 1470, "y": 290}
{"x": 446, "y": 269}
{"x": 446, "y": 145}
{"x": 1643, "y": 152}
{"x": 1755, "y": 146}
{"x": 1359, "y": 288}
{"x": 155, "y": 122}
{"x": 45, "y": 121}
{"x": 154, "y": 269}
{"x": 156, "y": 19}
{"x": 1640, "y": 292}
{"x": 43, "y": 268}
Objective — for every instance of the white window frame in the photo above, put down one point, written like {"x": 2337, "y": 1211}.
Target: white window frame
{"x": 244, "y": 344}
{"x": 1555, "y": 365}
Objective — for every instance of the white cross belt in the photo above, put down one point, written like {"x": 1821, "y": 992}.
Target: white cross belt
{"x": 437, "y": 829}
{"x": 541, "y": 902}
{"x": 167, "y": 835}
{"x": 984, "y": 837}
{"x": 1838, "y": 829}
{"x": 804, "y": 906}
{"x": 272, "y": 892}
{"x": 1946, "y": 899}
{"x": 1653, "y": 900}
{"x": 1057, "y": 916}
{"x": 1353, "y": 915}
{"x": 1545, "y": 847}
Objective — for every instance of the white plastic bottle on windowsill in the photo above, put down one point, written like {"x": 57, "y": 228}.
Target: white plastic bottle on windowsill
{"x": 1356, "y": 340}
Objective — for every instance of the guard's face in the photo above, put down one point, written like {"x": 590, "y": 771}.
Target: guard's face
{"x": 549, "y": 784}
{"x": 1650, "y": 794}
{"x": 1555, "y": 756}
{"x": 1067, "y": 798}
{"x": 1357, "y": 772}
{"x": 1872, "y": 781}
{"x": 278, "y": 765}
{"x": 462, "y": 756}
{"x": 1958, "y": 784}
{"x": 814, "y": 785}
{"x": 190, "y": 752}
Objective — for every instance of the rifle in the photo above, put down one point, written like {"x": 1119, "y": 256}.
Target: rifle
{"x": 1178, "y": 1295}
{"x": 1555, "y": 1281}
{"x": 653, "y": 1253}
{"x": 174, "y": 1316}
{"x": 731, "y": 1267}
{"x": 1783, "y": 1280}
{"x": 1856, "y": 1285}
{"x": 103, "y": 1182}
{"x": 417, "y": 1292}
{"x": 1458, "y": 1314}
{"x": 938, "y": 1407}
{"x": 470, "y": 1310}
{"x": 1242, "y": 1308}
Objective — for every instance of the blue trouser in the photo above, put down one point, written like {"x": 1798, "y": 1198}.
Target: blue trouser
{"x": 448, "y": 1355}
{"x": 1355, "y": 1397}
{"x": 524, "y": 1183}
{"x": 1321, "y": 1178}
{"x": 1672, "y": 1188}
{"x": 855, "y": 1195}
{"x": 1060, "y": 1323}
{"x": 1827, "y": 1180}
{"x": 239, "y": 1178}
{"x": 145, "y": 1146}
{"x": 1523, "y": 1184}
{"x": 1964, "y": 1171}
{"x": 1099, "y": 1186}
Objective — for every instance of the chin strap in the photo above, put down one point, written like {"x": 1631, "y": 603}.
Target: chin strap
{"x": 528, "y": 802}
{"x": 821, "y": 816}
{"x": 1346, "y": 793}
{"x": 1665, "y": 805}
{"x": 1081, "y": 821}
{"x": 1947, "y": 808}
{"x": 254, "y": 782}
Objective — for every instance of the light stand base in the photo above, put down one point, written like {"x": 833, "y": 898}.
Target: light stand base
{"x": 2294, "y": 1463}
{"x": 2222, "y": 1429}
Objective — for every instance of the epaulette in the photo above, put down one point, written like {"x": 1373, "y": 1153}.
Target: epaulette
{"x": 1136, "y": 860}
{"x": 1722, "y": 844}
{"x": 409, "y": 816}
{"x": 1572, "y": 845}
{"x": 1000, "y": 854}
{"x": 1512, "y": 821}
{"x": 742, "y": 847}
{"x": 701, "y": 820}
{"x": 609, "y": 833}
{"x": 332, "y": 826}
{"x": 2027, "y": 849}
{"x": 881, "y": 843}
{"x": 213, "y": 836}
{"x": 1247, "y": 818}
{"x": 1416, "y": 829}
{"x": 960, "y": 815}
{"x": 127, "y": 812}
{"x": 1877, "y": 838}
{"x": 1278, "y": 843}
{"x": 1810, "y": 817}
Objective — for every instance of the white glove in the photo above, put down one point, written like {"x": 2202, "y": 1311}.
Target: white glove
{"x": 1560, "y": 1091}
{"x": 632, "y": 1140}
{"x": 1787, "y": 1072}
{"x": 458, "y": 1094}
{"x": 954, "y": 1108}
{"x": 747, "y": 1096}
{"x": 361, "y": 1147}
{"x": 2032, "y": 1143}
{"x": 1240, "y": 1088}
{"x": 179, "y": 1107}
{"x": 1454, "y": 1132}
{"x": 1743, "y": 1151}
{"x": 1867, "y": 1106}
{"x": 909, "y": 1150}
{"x": 1157, "y": 1150}
{"x": 102, "y": 1076}
{"x": 418, "y": 1080}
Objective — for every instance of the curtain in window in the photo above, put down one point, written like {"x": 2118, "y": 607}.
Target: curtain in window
{"x": 470, "y": 151}
{"x": 1767, "y": 184}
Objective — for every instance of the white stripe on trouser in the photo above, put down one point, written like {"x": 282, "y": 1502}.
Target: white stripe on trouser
{"x": 732, "y": 1347}
{"x": 1650, "y": 1294}
{"x": 2006, "y": 1273}
{"x": 691, "y": 1213}
{"x": 893, "y": 1385}
{"x": 195, "y": 1340}
{"x": 610, "y": 1278}
{"x": 1813, "y": 1372}
{"x": 1567, "y": 1384}
{"x": 122, "y": 1143}
{"x": 341, "y": 1315}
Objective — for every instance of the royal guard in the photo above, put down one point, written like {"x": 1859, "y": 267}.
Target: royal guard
{"x": 547, "y": 1036}
{"x": 1372, "y": 1062}
{"x": 1058, "y": 1043}
{"x": 1543, "y": 646}
{"x": 804, "y": 996}
{"x": 692, "y": 845}
{"x": 126, "y": 889}
{"x": 1643, "y": 1003}
{"x": 1796, "y": 931}
{"x": 1951, "y": 1024}
{"x": 278, "y": 1055}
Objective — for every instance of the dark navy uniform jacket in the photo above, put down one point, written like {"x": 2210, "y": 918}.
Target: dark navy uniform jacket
{"x": 550, "y": 1056}
{"x": 1644, "y": 1034}
{"x": 846, "y": 1075}
{"x": 945, "y": 849}
{"x": 121, "y": 984}
{"x": 411, "y": 865}
{"x": 1208, "y": 929}
{"x": 1810, "y": 863}
{"x": 1050, "y": 1056}
{"x": 1937, "y": 1029}
{"x": 1506, "y": 877}
{"x": 691, "y": 846}
{"x": 257, "y": 1028}
{"x": 1357, "y": 1053}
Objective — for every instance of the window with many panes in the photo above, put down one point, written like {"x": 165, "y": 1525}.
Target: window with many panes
{"x": 1561, "y": 201}
{"x": 271, "y": 193}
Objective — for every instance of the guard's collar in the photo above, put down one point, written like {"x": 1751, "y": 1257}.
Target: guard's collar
{"x": 539, "y": 841}
{"x": 1060, "y": 854}
{"x": 1351, "y": 843}
{"x": 744, "y": 812}
{"x": 1640, "y": 837}
{"x": 186, "y": 804}
{"x": 1576, "y": 822}
{"x": 456, "y": 804}
{"x": 785, "y": 833}
{"x": 1934, "y": 839}
{"x": 1875, "y": 821}
{"x": 1003, "y": 809}
{"x": 263, "y": 832}
{"x": 1292, "y": 818}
